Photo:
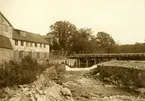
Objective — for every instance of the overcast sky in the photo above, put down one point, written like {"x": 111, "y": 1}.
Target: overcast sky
{"x": 124, "y": 20}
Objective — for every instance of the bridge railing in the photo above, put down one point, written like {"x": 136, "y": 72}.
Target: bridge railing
{"x": 108, "y": 55}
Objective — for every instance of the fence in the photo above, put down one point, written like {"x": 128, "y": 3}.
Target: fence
{"x": 56, "y": 59}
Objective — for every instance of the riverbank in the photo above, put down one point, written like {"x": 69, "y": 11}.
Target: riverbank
{"x": 129, "y": 74}
{"x": 86, "y": 88}
{"x": 62, "y": 83}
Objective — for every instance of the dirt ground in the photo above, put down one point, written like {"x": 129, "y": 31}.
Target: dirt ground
{"x": 85, "y": 88}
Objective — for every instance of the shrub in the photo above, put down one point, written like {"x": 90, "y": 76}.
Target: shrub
{"x": 56, "y": 73}
{"x": 60, "y": 69}
{"x": 14, "y": 73}
{"x": 27, "y": 71}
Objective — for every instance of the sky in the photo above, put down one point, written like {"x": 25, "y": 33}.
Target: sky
{"x": 124, "y": 20}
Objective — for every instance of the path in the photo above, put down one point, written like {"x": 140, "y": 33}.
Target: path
{"x": 85, "y": 88}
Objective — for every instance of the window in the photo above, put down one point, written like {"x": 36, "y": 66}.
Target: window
{"x": 38, "y": 54}
{"x": 22, "y": 33}
{"x": 45, "y": 55}
{"x": 22, "y": 43}
{"x": 16, "y": 42}
{"x": 31, "y": 44}
{"x": 40, "y": 44}
{"x": 30, "y": 54}
{"x": 44, "y": 45}
{"x": 20, "y": 54}
{"x": 35, "y": 44}
{"x": 27, "y": 43}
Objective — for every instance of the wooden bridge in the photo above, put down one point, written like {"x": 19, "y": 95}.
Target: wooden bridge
{"x": 86, "y": 60}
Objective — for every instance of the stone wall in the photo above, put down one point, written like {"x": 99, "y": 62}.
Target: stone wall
{"x": 5, "y": 54}
{"x": 29, "y": 48}
{"x": 38, "y": 52}
{"x": 18, "y": 55}
{"x": 5, "y": 28}
{"x": 128, "y": 74}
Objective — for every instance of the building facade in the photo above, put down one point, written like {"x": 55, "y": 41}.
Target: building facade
{"x": 15, "y": 43}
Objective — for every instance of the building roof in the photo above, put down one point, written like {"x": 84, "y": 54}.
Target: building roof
{"x": 5, "y": 42}
{"x": 32, "y": 37}
{"x": 29, "y": 37}
{"x": 6, "y": 19}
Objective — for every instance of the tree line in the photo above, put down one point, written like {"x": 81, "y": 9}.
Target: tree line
{"x": 68, "y": 39}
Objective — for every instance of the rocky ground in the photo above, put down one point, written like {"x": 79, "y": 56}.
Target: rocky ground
{"x": 85, "y": 88}
{"x": 78, "y": 86}
{"x": 43, "y": 89}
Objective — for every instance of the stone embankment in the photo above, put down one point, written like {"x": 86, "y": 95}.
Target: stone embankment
{"x": 130, "y": 74}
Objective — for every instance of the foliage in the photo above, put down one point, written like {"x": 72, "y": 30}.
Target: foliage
{"x": 68, "y": 39}
{"x": 56, "y": 73}
{"x": 63, "y": 31}
{"x": 27, "y": 71}
{"x": 81, "y": 40}
{"x": 20, "y": 73}
{"x": 132, "y": 48}
{"x": 105, "y": 41}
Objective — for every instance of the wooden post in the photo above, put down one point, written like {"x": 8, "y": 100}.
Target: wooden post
{"x": 78, "y": 62}
{"x": 87, "y": 62}
{"x": 68, "y": 62}
{"x": 95, "y": 61}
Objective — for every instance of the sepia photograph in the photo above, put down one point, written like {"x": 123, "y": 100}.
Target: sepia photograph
{"x": 72, "y": 50}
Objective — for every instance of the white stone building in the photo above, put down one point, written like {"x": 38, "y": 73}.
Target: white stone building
{"x": 15, "y": 43}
